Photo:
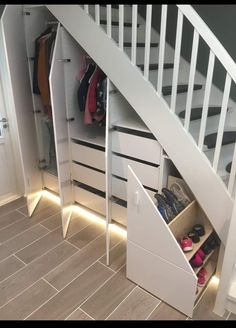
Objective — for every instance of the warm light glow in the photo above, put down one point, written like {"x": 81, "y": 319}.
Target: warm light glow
{"x": 47, "y": 194}
{"x": 99, "y": 219}
{"x": 215, "y": 280}
{"x": 121, "y": 231}
{"x": 87, "y": 214}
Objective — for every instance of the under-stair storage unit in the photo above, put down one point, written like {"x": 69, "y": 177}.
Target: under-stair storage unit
{"x": 155, "y": 259}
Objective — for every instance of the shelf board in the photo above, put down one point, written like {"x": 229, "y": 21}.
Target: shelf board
{"x": 208, "y": 231}
{"x": 196, "y": 270}
{"x": 133, "y": 123}
{"x": 98, "y": 140}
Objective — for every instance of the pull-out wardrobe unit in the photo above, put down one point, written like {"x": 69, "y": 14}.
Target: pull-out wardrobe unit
{"x": 96, "y": 165}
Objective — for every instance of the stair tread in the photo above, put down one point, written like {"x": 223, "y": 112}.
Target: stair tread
{"x": 228, "y": 138}
{"x": 166, "y": 90}
{"x": 153, "y": 67}
{"x": 126, "y": 24}
{"x": 196, "y": 113}
{"x": 140, "y": 44}
{"x": 112, "y": 6}
{"x": 228, "y": 167}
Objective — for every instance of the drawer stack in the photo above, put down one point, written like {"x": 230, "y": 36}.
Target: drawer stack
{"x": 88, "y": 174}
{"x": 142, "y": 152}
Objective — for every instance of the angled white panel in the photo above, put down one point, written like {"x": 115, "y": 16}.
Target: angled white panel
{"x": 12, "y": 24}
{"x": 161, "y": 278}
{"x": 58, "y": 101}
{"x": 147, "y": 228}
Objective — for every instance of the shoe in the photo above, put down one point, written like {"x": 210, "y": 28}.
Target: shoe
{"x": 199, "y": 229}
{"x": 194, "y": 236}
{"x": 196, "y": 261}
{"x": 206, "y": 249}
{"x": 186, "y": 244}
{"x": 203, "y": 272}
{"x": 178, "y": 190}
{"x": 175, "y": 205}
{"x": 201, "y": 281}
{"x": 201, "y": 253}
{"x": 164, "y": 208}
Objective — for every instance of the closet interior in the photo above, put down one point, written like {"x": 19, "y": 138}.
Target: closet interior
{"x": 95, "y": 151}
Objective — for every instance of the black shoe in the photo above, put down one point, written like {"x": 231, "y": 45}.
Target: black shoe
{"x": 194, "y": 236}
{"x": 199, "y": 229}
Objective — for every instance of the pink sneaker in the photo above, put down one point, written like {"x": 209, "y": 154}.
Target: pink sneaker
{"x": 196, "y": 261}
{"x": 202, "y": 272}
{"x": 201, "y": 253}
{"x": 201, "y": 281}
{"x": 186, "y": 244}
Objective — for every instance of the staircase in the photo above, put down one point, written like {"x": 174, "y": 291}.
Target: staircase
{"x": 191, "y": 118}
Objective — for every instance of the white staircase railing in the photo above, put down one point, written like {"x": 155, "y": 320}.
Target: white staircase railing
{"x": 216, "y": 50}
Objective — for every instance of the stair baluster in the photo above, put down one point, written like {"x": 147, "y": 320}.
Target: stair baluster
{"x": 162, "y": 48}
{"x": 134, "y": 34}
{"x": 147, "y": 41}
{"x": 121, "y": 27}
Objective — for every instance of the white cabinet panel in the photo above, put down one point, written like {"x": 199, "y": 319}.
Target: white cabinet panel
{"x": 88, "y": 176}
{"x": 90, "y": 200}
{"x": 135, "y": 146}
{"x": 88, "y": 156}
{"x": 58, "y": 101}
{"x": 12, "y": 27}
{"x": 147, "y": 174}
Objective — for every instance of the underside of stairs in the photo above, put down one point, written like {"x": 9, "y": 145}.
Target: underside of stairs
{"x": 154, "y": 108}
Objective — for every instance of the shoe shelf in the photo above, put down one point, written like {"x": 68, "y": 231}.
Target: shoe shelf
{"x": 196, "y": 270}
{"x": 183, "y": 223}
{"x": 210, "y": 266}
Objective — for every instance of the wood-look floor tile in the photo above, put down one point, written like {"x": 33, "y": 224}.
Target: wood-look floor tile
{"x": 11, "y": 217}
{"x": 76, "y": 225}
{"x": 42, "y": 204}
{"x": 67, "y": 300}
{"x": 78, "y": 315}
{"x": 117, "y": 256}
{"x": 232, "y": 316}
{"x": 20, "y": 241}
{"x": 9, "y": 266}
{"x": 19, "y": 202}
{"x": 52, "y": 222}
{"x": 18, "y": 227}
{"x": 27, "y": 302}
{"x": 109, "y": 296}
{"x": 67, "y": 271}
{"x": 204, "y": 309}
{"x": 40, "y": 246}
{"x": 28, "y": 275}
{"x": 166, "y": 312}
{"x": 85, "y": 236}
{"x": 137, "y": 306}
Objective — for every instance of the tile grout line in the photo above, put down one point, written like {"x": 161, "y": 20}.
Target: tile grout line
{"x": 154, "y": 309}
{"x": 227, "y": 318}
{"x": 19, "y": 259}
{"x": 111, "y": 250}
{"x": 23, "y": 230}
{"x": 73, "y": 234}
{"x": 44, "y": 227}
{"x": 60, "y": 289}
{"x": 81, "y": 311}
{"x": 26, "y": 216}
{"x": 135, "y": 287}
{"x": 66, "y": 241}
{"x": 47, "y": 282}
{"x": 101, "y": 286}
{"x": 107, "y": 266}
{"x": 7, "y": 226}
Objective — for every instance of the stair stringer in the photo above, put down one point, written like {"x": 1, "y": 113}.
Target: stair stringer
{"x": 206, "y": 185}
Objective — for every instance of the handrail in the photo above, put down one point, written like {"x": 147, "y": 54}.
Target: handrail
{"x": 208, "y": 36}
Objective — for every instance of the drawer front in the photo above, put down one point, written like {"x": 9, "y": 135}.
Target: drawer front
{"x": 88, "y": 176}
{"x": 119, "y": 189}
{"x": 90, "y": 200}
{"x": 119, "y": 213}
{"x": 134, "y": 146}
{"x": 89, "y": 156}
{"x": 147, "y": 174}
